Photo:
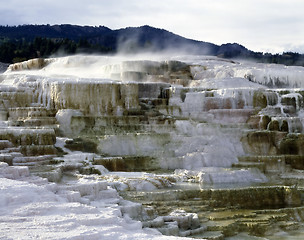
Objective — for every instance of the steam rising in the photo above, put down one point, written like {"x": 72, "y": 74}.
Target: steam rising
{"x": 85, "y": 66}
{"x": 183, "y": 70}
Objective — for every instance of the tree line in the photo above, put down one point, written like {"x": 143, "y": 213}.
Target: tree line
{"x": 286, "y": 58}
{"x": 12, "y": 51}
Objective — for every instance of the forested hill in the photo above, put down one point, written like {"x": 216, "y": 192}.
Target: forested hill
{"x": 43, "y": 40}
{"x": 18, "y": 43}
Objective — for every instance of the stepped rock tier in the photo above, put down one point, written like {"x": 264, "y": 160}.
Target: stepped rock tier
{"x": 186, "y": 146}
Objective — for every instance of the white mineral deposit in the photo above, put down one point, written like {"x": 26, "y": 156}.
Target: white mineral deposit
{"x": 151, "y": 147}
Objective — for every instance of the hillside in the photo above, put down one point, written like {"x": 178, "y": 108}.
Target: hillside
{"x": 131, "y": 38}
{"x": 19, "y": 43}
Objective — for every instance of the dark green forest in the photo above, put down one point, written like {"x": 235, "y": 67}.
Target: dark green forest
{"x": 20, "y": 43}
{"x": 17, "y": 51}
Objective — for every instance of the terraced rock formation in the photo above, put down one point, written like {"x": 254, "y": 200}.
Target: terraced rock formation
{"x": 203, "y": 147}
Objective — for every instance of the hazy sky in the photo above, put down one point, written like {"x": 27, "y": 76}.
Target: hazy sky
{"x": 260, "y": 25}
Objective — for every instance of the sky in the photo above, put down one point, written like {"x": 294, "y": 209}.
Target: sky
{"x": 260, "y": 25}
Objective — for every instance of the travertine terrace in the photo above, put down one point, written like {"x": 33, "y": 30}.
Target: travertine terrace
{"x": 190, "y": 146}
